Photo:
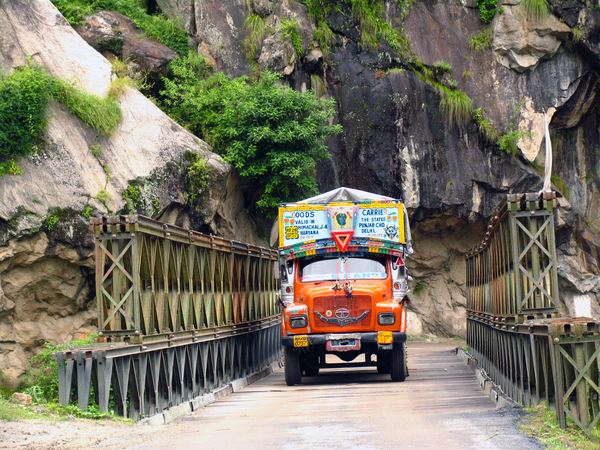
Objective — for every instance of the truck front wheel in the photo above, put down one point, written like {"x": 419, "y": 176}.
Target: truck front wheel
{"x": 291, "y": 366}
{"x": 399, "y": 370}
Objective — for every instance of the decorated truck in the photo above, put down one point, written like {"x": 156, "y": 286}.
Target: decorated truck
{"x": 343, "y": 283}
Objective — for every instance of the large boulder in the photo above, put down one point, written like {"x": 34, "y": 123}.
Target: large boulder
{"x": 520, "y": 42}
{"x": 116, "y": 35}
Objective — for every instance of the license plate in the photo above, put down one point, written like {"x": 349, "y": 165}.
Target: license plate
{"x": 343, "y": 343}
{"x": 385, "y": 337}
{"x": 300, "y": 341}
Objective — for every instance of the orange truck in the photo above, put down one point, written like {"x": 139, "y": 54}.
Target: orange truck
{"x": 343, "y": 283}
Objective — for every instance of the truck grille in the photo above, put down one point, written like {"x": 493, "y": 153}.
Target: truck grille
{"x": 340, "y": 311}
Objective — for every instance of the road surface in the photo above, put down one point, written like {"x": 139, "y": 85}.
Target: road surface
{"x": 439, "y": 406}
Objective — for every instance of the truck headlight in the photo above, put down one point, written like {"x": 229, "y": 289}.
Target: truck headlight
{"x": 386, "y": 319}
{"x": 298, "y": 321}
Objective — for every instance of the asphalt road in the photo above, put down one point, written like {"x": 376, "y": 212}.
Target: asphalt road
{"x": 439, "y": 406}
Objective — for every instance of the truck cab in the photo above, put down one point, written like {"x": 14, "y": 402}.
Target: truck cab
{"x": 343, "y": 297}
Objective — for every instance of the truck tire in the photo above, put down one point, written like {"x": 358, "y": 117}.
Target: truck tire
{"x": 291, "y": 366}
{"x": 399, "y": 369}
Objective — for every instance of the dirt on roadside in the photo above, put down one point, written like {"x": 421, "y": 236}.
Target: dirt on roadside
{"x": 75, "y": 434}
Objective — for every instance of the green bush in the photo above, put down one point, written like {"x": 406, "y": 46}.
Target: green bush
{"x": 289, "y": 30}
{"x": 488, "y": 9}
{"x": 197, "y": 174}
{"x": 24, "y": 97}
{"x": 42, "y": 375}
{"x": 508, "y": 141}
{"x": 273, "y": 135}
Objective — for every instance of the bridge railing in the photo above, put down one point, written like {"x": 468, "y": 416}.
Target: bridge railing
{"x": 180, "y": 313}
{"x": 514, "y": 328}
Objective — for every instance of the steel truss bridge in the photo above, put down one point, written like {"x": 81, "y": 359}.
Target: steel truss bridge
{"x": 180, "y": 314}
{"x": 514, "y": 327}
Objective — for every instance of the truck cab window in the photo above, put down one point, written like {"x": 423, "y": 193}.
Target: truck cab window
{"x": 342, "y": 267}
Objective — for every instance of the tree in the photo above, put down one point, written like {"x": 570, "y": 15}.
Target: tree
{"x": 272, "y": 134}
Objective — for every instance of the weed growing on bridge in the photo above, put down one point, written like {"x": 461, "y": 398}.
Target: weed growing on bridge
{"x": 542, "y": 424}
{"x": 41, "y": 377}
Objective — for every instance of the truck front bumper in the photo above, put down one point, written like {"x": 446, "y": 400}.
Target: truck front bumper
{"x": 321, "y": 339}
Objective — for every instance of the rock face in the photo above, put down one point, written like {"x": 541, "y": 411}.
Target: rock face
{"x": 521, "y": 42}
{"x": 46, "y": 250}
{"x": 397, "y": 142}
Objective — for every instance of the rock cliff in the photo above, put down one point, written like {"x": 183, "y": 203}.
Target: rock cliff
{"x": 46, "y": 250}
{"x": 397, "y": 142}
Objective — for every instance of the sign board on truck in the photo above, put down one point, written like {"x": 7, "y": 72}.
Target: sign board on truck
{"x": 342, "y": 221}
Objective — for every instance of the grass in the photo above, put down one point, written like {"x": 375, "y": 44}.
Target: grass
{"x": 419, "y": 287}
{"x": 455, "y": 106}
{"x": 560, "y": 185}
{"x": 536, "y": 9}
{"x": 577, "y": 34}
{"x": 14, "y": 412}
{"x": 102, "y": 114}
{"x": 256, "y": 30}
{"x": 324, "y": 37}
{"x": 482, "y": 41}
{"x": 542, "y": 424}
{"x": 51, "y": 411}
{"x": 119, "y": 86}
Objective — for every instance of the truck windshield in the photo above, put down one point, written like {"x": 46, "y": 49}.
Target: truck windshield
{"x": 342, "y": 267}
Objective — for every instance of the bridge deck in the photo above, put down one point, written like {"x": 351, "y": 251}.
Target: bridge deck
{"x": 439, "y": 406}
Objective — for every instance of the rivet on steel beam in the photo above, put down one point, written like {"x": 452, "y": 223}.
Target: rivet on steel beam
{"x": 556, "y": 340}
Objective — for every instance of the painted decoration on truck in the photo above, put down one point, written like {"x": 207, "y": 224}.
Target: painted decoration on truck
{"x": 374, "y": 220}
{"x": 384, "y": 222}
{"x": 341, "y": 221}
{"x": 301, "y": 224}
